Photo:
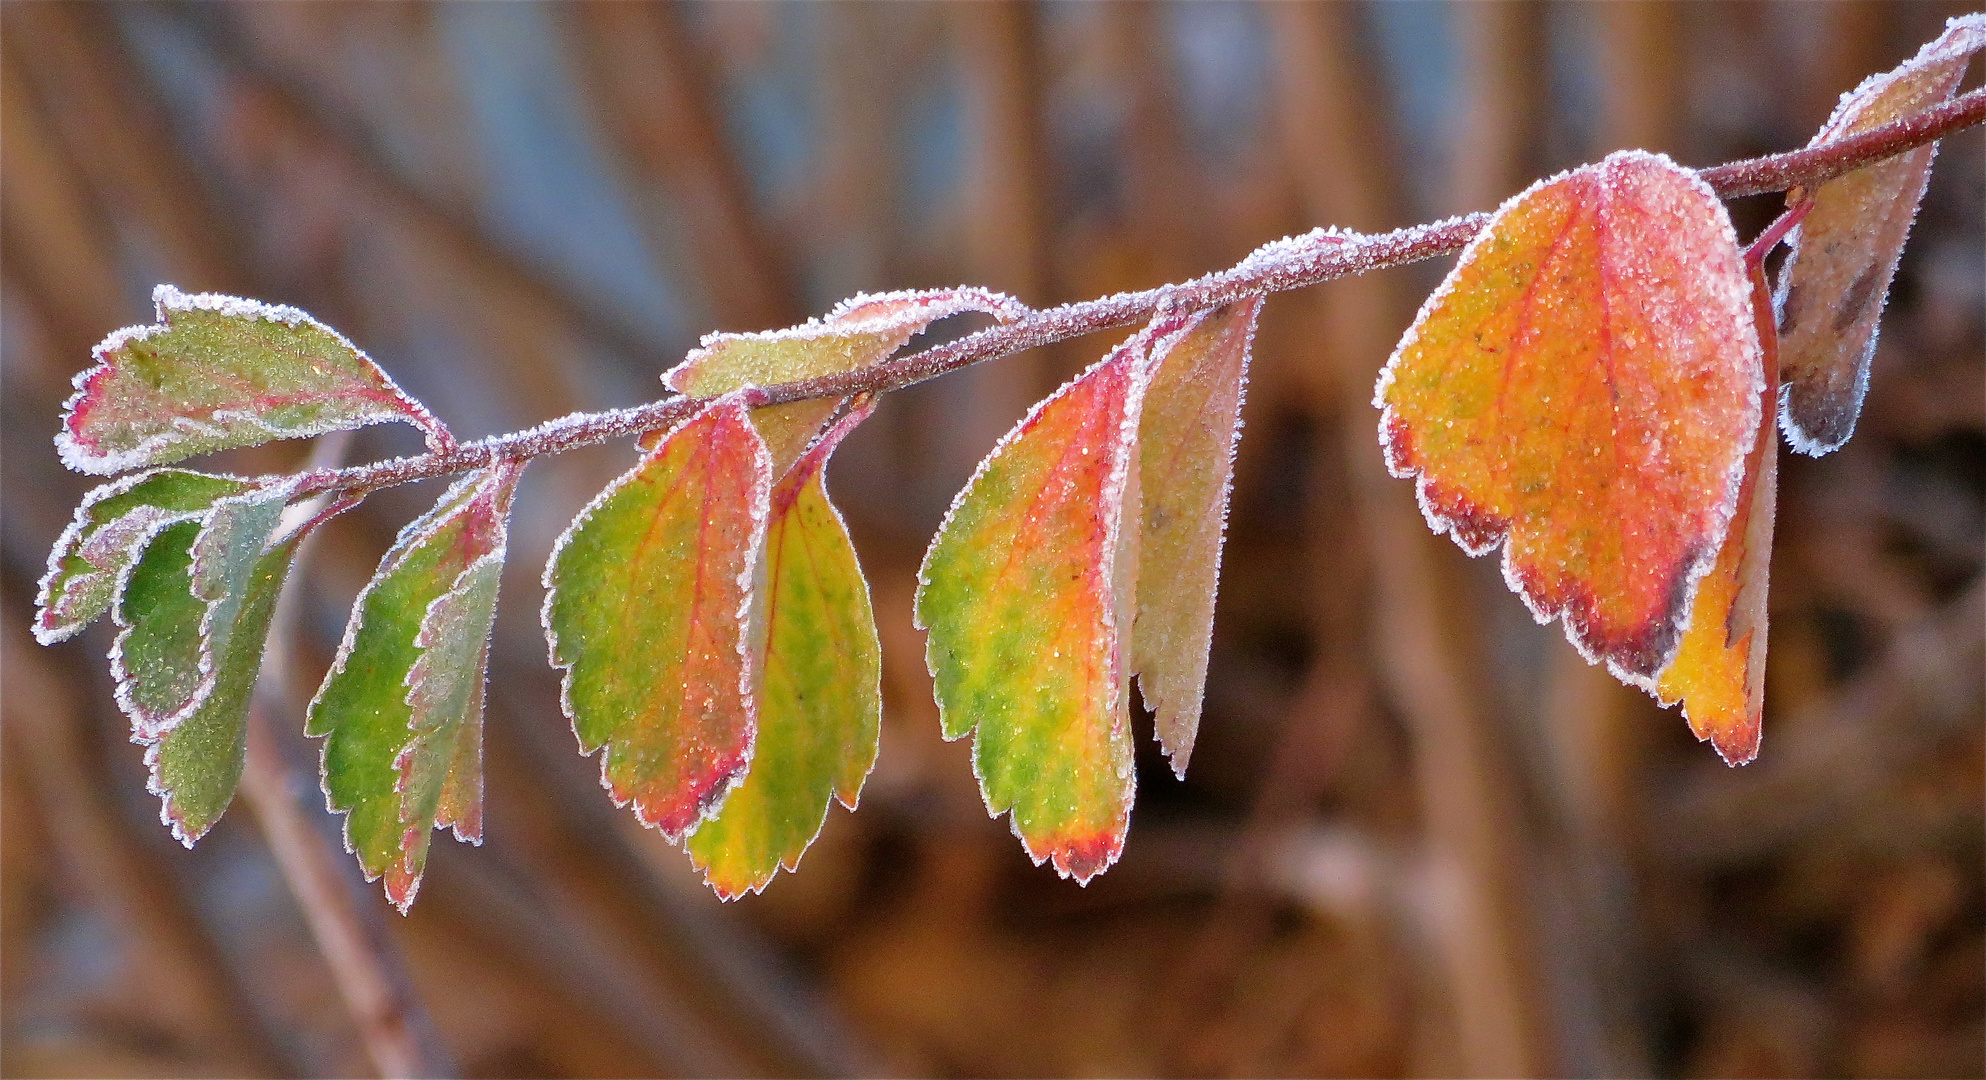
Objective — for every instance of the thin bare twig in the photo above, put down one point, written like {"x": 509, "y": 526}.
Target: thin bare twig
{"x": 1293, "y": 263}
{"x": 364, "y": 964}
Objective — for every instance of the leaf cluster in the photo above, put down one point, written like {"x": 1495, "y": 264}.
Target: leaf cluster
{"x": 1592, "y": 391}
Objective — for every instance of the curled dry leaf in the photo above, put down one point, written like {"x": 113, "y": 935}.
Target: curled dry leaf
{"x": 819, "y": 693}
{"x": 217, "y": 372}
{"x": 1583, "y": 390}
{"x": 1836, "y": 278}
{"x": 402, "y": 706}
{"x": 647, "y": 607}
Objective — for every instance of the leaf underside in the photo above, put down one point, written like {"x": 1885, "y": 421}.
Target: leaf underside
{"x": 859, "y": 332}
{"x": 1719, "y": 671}
{"x": 647, "y": 611}
{"x": 1189, "y": 424}
{"x": 1836, "y": 277}
{"x": 402, "y": 704}
{"x": 1583, "y": 389}
{"x": 819, "y": 694}
{"x": 217, "y": 372}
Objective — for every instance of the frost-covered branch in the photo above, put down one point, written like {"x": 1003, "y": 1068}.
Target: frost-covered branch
{"x": 1292, "y": 263}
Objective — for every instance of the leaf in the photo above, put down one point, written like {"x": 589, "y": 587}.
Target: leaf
{"x": 1190, "y": 423}
{"x": 1583, "y": 389}
{"x": 403, "y": 702}
{"x": 217, "y": 372}
{"x": 1836, "y": 277}
{"x": 646, "y": 613}
{"x": 859, "y": 332}
{"x": 195, "y": 615}
{"x": 820, "y": 686}
{"x": 1024, "y": 591}
{"x": 1719, "y": 670}
{"x": 111, "y": 527}
{"x": 184, "y": 601}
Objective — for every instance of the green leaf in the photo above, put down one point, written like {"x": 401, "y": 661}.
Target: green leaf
{"x": 403, "y": 702}
{"x": 217, "y": 372}
{"x": 859, "y": 332}
{"x": 110, "y": 528}
{"x": 1190, "y": 423}
{"x": 195, "y": 616}
{"x": 820, "y": 687}
{"x": 1026, "y": 592}
{"x": 646, "y": 613}
{"x": 182, "y": 604}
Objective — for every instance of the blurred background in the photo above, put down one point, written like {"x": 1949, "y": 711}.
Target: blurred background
{"x": 1419, "y": 837}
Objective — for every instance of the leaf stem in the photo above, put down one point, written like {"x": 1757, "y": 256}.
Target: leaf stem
{"x": 1292, "y": 263}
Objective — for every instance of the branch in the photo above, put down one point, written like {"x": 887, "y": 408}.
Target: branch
{"x": 1291, "y": 263}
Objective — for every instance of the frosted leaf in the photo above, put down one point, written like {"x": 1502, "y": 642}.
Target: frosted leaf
{"x": 1029, "y": 592}
{"x": 217, "y": 372}
{"x": 110, "y": 529}
{"x": 647, "y": 614}
{"x": 401, "y": 707}
{"x": 182, "y": 602}
{"x": 194, "y": 617}
{"x": 1189, "y": 425}
{"x": 859, "y": 332}
{"x": 819, "y": 692}
{"x": 1582, "y": 390}
{"x": 1842, "y": 257}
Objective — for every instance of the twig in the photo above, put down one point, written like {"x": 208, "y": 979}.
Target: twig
{"x": 1293, "y": 263}
{"x": 379, "y": 1008}
{"x": 364, "y": 964}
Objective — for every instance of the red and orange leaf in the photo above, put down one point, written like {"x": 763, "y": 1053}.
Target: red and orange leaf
{"x": 1186, "y": 435}
{"x": 859, "y": 332}
{"x": 820, "y": 686}
{"x": 648, "y": 597}
{"x": 1719, "y": 670}
{"x": 217, "y": 372}
{"x": 1583, "y": 389}
{"x": 1027, "y": 591}
{"x": 1835, "y": 281}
